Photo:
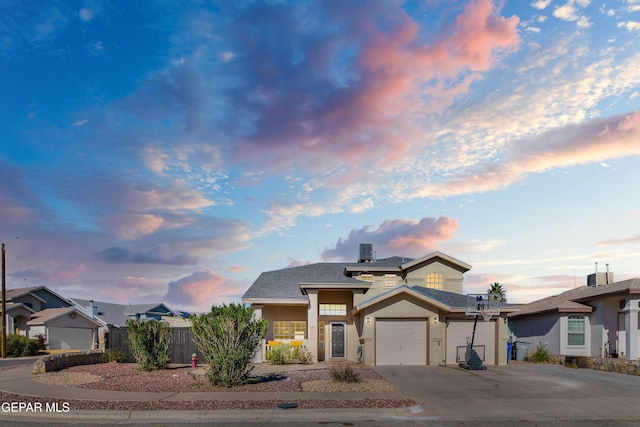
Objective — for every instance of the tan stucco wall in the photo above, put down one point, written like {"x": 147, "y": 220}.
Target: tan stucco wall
{"x": 399, "y": 307}
{"x": 452, "y": 277}
{"x": 282, "y": 312}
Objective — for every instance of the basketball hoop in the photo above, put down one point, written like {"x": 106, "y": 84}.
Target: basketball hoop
{"x": 486, "y": 314}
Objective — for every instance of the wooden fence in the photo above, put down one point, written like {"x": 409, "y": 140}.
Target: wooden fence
{"x": 182, "y": 344}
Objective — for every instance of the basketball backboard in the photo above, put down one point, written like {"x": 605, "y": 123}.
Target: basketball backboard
{"x": 485, "y": 305}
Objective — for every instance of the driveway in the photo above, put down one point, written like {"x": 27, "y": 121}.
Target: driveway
{"x": 518, "y": 391}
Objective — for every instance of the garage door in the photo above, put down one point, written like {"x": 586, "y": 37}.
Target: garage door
{"x": 401, "y": 341}
{"x": 484, "y": 343}
{"x": 70, "y": 338}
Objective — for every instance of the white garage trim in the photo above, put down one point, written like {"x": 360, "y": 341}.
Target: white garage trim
{"x": 459, "y": 333}
{"x": 401, "y": 341}
{"x": 70, "y": 338}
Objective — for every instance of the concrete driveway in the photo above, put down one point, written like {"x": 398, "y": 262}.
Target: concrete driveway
{"x": 518, "y": 391}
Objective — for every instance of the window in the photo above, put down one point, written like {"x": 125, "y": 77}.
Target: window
{"x": 390, "y": 281}
{"x": 333, "y": 309}
{"x": 434, "y": 280}
{"x": 575, "y": 330}
{"x": 366, "y": 277}
{"x": 289, "y": 329}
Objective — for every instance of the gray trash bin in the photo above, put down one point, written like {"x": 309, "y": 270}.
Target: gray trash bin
{"x": 521, "y": 350}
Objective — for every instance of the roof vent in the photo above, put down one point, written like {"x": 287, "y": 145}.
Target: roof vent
{"x": 366, "y": 252}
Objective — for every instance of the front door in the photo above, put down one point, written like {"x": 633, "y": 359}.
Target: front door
{"x": 337, "y": 339}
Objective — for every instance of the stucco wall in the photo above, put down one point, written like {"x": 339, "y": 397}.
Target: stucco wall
{"x": 543, "y": 329}
{"x": 452, "y": 277}
{"x": 398, "y": 307}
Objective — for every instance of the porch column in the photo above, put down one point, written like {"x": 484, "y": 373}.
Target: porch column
{"x": 312, "y": 323}
{"x": 257, "y": 314}
{"x": 631, "y": 328}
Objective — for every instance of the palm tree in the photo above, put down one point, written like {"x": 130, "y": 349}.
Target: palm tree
{"x": 496, "y": 288}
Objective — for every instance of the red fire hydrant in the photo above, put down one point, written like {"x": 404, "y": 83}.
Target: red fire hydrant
{"x": 194, "y": 360}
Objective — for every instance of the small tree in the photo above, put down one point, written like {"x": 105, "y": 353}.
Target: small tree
{"x": 228, "y": 338}
{"x": 150, "y": 342}
{"x": 20, "y": 346}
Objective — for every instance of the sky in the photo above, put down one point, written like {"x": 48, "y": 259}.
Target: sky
{"x": 174, "y": 150}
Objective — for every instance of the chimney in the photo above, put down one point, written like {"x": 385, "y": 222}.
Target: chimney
{"x": 92, "y": 310}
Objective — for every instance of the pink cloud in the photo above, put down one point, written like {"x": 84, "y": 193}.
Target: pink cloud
{"x": 133, "y": 226}
{"x": 595, "y": 141}
{"x": 201, "y": 290}
{"x": 393, "y": 77}
{"x": 408, "y": 237}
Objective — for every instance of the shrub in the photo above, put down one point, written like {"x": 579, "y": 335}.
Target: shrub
{"x": 344, "y": 374}
{"x": 540, "y": 355}
{"x": 150, "y": 342}
{"x": 115, "y": 355}
{"x": 228, "y": 338}
{"x": 20, "y": 346}
{"x": 282, "y": 354}
{"x": 285, "y": 354}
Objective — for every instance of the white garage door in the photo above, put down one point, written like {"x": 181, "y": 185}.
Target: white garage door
{"x": 484, "y": 343}
{"x": 70, "y": 339}
{"x": 401, "y": 341}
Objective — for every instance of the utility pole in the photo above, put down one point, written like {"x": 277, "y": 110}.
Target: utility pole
{"x": 4, "y": 309}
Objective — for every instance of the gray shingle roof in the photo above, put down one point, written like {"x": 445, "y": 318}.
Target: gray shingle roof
{"x": 285, "y": 283}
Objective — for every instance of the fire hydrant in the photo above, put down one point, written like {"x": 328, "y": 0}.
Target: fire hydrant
{"x": 194, "y": 360}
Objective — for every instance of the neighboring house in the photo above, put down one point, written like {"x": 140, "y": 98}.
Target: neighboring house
{"x": 39, "y": 310}
{"x": 392, "y": 311}
{"x": 116, "y": 315}
{"x": 598, "y": 320}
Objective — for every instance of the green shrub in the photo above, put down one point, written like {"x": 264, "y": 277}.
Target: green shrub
{"x": 228, "y": 338}
{"x": 281, "y": 354}
{"x": 285, "y": 354}
{"x": 150, "y": 342}
{"x": 115, "y": 355}
{"x": 344, "y": 374}
{"x": 540, "y": 355}
{"x": 20, "y": 346}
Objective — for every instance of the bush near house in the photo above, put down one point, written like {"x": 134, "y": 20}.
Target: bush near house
{"x": 228, "y": 338}
{"x": 285, "y": 354}
{"x": 540, "y": 355}
{"x": 20, "y": 346}
{"x": 150, "y": 343}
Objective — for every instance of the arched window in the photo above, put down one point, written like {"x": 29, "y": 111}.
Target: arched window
{"x": 575, "y": 329}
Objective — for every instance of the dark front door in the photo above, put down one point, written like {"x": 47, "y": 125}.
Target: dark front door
{"x": 337, "y": 340}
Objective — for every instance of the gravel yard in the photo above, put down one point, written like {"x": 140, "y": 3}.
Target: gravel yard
{"x": 181, "y": 378}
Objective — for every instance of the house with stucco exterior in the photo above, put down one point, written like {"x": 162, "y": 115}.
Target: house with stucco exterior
{"x": 599, "y": 319}
{"x": 391, "y": 311}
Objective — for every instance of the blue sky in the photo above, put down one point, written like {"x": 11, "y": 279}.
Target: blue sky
{"x": 172, "y": 151}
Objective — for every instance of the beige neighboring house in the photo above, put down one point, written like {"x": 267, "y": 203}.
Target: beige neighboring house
{"x": 39, "y": 310}
{"x": 392, "y": 311}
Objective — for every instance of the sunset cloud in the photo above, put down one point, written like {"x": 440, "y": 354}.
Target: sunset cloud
{"x": 201, "y": 290}
{"x": 406, "y": 237}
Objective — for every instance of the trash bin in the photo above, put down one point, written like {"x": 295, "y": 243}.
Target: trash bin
{"x": 508, "y": 352}
{"x": 521, "y": 350}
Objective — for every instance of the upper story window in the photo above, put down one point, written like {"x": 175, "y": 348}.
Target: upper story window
{"x": 366, "y": 277}
{"x": 390, "y": 280}
{"x": 575, "y": 329}
{"x": 333, "y": 309}
{"x": 435, "y": 280}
